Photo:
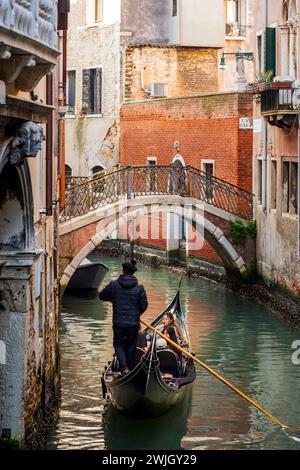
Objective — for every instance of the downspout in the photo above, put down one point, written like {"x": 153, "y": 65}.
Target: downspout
{"x": 49, "y": 146}
{"x": 298, "y": 200}
{"x": 265, "y": 157}
{"x": 61, "y": 120}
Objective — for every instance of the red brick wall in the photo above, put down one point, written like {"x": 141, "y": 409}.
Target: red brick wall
{"x": 206, "y": 252}
{"x": 207, "y": 128}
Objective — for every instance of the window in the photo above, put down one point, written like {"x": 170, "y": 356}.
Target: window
{"x": 289, "y": 39}
{"x": 98, "y": 10}
{"x": 259, "y": 63}
{"x": 233, "y": 11}
{"x": 98, "y": 185}
{"x": 68, "y": 173}
{"x": 96, "y": 169}
{"x": 175, "y": 8}
{"x": 71, "y": 90}
{"x": 273, "y": 184}
{"x": 152, "y": 173}
{"x": 289, "y": 187}
{"x": 208, "y": 168}
{"x": 92, "y": 91}
{"x": 68, "y": 170}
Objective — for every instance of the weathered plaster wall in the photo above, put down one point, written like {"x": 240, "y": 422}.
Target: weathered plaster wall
{"x": 93, "y": 139}
{"x": 246, "y": 42}
{"x": 277, "y": 258}
{"x": 28, "y": 291}
{"x": 146, "y": 21}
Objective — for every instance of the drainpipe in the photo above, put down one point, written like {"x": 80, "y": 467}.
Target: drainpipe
{"x": 265, "y": 157}
{"x": 298, "y": 200}
{"x": 61, "y": 121}
{"x": 49, "y": 146}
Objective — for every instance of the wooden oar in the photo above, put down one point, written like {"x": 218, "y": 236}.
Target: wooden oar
{"x": 219, "y": 377}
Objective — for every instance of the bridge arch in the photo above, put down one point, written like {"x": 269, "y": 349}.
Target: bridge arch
{"x": 98, "y": 225}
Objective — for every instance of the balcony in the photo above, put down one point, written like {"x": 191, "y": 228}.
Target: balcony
{"x": 28, "y": 39}
{"x": 279, "y": 104}
{"x": 236, "y": 30}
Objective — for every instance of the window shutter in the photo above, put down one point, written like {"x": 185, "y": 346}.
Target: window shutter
{"x": 71, "y": 88}
{"x": 92, "y": 73}
{"x": 99, "y": 100}
{"x": 270, "y": 50}
{"x": 85, "y": 90}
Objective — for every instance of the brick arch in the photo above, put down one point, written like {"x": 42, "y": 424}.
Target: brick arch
{"x": 93, "y": 232}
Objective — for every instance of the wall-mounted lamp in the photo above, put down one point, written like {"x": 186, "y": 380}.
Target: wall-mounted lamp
{"x": 239, "y": 55}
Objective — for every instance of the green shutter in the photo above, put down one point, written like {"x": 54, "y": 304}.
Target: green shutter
{"x": 270, "y": 50}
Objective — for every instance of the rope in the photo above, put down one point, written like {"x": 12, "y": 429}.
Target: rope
{"x": 219, "y": 377}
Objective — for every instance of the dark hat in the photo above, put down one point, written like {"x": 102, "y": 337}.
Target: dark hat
{"x": 129, "y": 267}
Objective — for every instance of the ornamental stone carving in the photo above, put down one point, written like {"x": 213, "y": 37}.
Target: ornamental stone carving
{"x": 31, "y": 18}
{"x": 26, "y": 143}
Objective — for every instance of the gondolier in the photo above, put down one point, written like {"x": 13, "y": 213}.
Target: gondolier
{"x": 160, "y": 378}
{"x": 129, "y": 302}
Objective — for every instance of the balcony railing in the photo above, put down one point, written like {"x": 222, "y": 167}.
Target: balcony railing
{"x": 35, "y": 19}
{"x": 279, "y": 104}
{"x": 275, "y": 100}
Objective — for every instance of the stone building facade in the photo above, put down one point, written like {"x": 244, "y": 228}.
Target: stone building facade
{"x": 276, "y": 144}
{"x": 93, "y": 95}
{"x": 29, "y": 167}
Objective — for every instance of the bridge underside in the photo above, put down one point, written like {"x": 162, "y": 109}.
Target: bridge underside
{"x": 81, "y": 235}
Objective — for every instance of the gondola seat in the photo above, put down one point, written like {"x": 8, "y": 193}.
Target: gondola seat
{"x": 168, "y": 362}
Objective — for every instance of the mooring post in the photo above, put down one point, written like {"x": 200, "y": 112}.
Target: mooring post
{"x": 128, "y": 182}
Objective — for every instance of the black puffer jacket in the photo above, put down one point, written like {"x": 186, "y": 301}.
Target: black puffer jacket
{"x": 129, "y": 300}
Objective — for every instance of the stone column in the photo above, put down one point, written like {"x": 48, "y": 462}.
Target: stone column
{"x": 284, "y": 54}
{"x": 15, "y": 307}
{"x": 173, "y": 235}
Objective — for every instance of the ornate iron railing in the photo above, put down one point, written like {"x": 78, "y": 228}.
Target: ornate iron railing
{"x": 134, "y": 181}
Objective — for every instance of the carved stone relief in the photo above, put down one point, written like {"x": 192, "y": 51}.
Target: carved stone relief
{"x": 27, "y": 142}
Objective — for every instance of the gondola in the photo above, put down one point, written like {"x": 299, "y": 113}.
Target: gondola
{"x": 160, "y": 377}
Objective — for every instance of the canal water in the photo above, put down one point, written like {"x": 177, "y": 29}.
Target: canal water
{"x": 240, "y": 339}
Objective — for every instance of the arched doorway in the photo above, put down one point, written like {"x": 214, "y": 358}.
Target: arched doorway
{"x": 178, "y": 181}
{"x": 16, "y": 205}
{"x": 68, "y": 172}
{"x": 96, "y": 173}
{"x": 96, "y": 169}
{"x": 17, "y": 258}
{"x": 12, "y": 217}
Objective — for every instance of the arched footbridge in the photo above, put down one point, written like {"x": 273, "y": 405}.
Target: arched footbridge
{"x": 98, "y": 206}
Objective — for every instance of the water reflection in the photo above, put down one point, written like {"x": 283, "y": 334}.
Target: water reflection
{"x": 240, "y": 339}
{"x": 122, "y": 432}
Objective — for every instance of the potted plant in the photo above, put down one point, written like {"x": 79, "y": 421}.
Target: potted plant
{"x": 262, "y": 80}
